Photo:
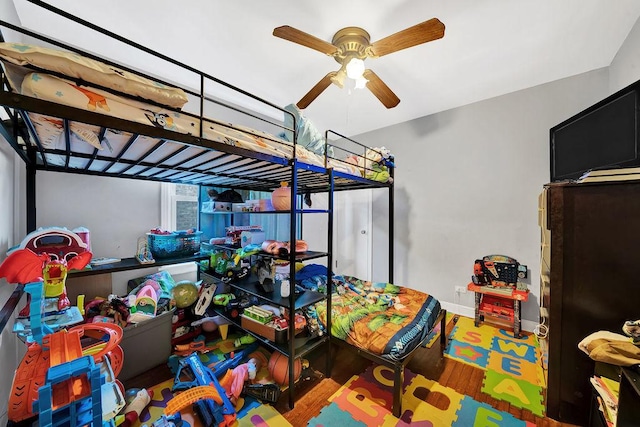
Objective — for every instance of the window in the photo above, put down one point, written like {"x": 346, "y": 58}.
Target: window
{"x": 179, "y": 207}
{"x": 180, "y": 211}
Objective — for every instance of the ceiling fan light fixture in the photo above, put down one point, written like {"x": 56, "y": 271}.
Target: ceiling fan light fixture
{"x": 350, "y": 46}
{"x": 355, "y": 68}
{"x": 361, "y": 82}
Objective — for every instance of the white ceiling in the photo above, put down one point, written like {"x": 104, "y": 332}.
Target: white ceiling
{"x": 490, "y": 47}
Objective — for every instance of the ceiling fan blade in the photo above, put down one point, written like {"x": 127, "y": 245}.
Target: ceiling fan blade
{"x": 294, "y": 35}
{"x": 424, "y": 32}
{"x": 316, "y": 90}
{"x": 380, "y": 89}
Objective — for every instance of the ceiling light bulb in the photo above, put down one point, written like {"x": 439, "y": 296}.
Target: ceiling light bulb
{"x": 355, "y": 68}
{"x": 361, "y": 82}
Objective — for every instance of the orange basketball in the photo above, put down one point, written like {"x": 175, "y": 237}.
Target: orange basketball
{"x": 279, "y": 368}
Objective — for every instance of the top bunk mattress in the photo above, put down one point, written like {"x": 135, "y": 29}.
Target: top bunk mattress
{"x": 52, "y": 88}
{"x": 86, "y": 83}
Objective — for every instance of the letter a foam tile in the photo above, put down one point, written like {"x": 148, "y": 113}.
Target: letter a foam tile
{"x": 521, "y": 394}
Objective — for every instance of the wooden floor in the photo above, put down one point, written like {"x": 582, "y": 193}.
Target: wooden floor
{"x": 312, "y": 395}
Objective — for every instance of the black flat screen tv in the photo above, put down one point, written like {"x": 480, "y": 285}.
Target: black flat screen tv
{"x": 603, "y": 136}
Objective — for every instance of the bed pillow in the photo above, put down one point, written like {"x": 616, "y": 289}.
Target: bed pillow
{"x": 79, "y": 67}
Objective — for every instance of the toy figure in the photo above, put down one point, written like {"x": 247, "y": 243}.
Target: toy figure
{"x": 24, "y": 266}
{"x": 631, "y": 328}
{"x": 112, "y": 310}
{"x": 46, "y": 255}
{"x": 241, "y": 374}
{"x": 137, "y": 399}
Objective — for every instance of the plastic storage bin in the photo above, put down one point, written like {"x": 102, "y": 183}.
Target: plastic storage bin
{"x": 174, "y": 245}
{"x": 146, "y": 345}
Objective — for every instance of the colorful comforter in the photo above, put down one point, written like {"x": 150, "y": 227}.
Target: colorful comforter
{"x": 382, "y": 318}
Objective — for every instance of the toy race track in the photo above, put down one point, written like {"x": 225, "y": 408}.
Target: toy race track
{"x": 56, "y": 349}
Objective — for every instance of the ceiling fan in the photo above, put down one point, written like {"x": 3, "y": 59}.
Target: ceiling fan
{"x": 351, "y": 46}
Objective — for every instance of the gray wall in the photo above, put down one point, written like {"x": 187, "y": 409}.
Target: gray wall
{"x": 116, "y": 211}
{"x": 467, "y": 185}
{"x": 625, "y": 67}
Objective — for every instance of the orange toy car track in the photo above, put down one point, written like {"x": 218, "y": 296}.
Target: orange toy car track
{"x": 56, "y": 348}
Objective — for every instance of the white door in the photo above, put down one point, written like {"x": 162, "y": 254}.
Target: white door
{"x": 352, "y": 233}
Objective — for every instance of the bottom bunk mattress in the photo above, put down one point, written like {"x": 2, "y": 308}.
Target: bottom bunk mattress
{"x": 382, "y": 318}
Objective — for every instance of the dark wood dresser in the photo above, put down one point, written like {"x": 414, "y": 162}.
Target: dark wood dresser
{"x": 594, "y": 282}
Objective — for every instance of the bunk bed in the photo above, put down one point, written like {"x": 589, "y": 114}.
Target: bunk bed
{"x": 65, "y": 120}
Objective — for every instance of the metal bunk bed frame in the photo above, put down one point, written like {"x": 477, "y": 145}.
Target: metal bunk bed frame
{"x": 262, "y": 173}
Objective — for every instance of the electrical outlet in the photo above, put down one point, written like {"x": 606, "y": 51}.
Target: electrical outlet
{"x": 461, "y": 289}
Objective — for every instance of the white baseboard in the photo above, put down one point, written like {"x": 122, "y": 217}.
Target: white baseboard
{"x": 463, "y": 310}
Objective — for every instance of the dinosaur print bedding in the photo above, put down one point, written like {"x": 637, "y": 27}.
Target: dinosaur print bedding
{"x": 382, "y": 318}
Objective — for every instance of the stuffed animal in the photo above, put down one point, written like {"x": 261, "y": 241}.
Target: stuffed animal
{"x": 631, "y": 328}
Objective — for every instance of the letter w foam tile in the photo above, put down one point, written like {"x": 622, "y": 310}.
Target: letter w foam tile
{"x": 365, "y": 401}
{"x": 515, "y": 349}
{"x": 519, "y": 393}
{"x": 474, "y": 413}
{"x": 467, "y": 353}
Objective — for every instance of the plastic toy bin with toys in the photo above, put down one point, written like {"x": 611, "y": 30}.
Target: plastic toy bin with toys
{"x": 146, "y": 345}
{"x": 173, "y": 244}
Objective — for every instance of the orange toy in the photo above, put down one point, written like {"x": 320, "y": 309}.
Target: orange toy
{"x": 58, "y": 348}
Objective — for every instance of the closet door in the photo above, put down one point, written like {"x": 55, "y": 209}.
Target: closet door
{"x": 352, "y": 233}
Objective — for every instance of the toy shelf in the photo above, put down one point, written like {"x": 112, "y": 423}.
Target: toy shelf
{"x": 131, "y": 264}
{"x": 298, "y": 211}
{"x": 251, "y": 286}
{"x": 302, "y": 345}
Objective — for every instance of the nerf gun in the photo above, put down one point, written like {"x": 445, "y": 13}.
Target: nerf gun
{"x": 211, "y": 413}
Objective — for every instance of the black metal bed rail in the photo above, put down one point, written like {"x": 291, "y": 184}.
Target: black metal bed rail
{"x": 9, "y": 307}
{"x": 366, "y": 160}
{"x": 144, "y": 49}
{"x": 164, "y": 136}
{"x": 202, "y": 75}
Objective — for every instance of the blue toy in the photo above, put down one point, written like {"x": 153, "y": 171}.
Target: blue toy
{"x": 210, "y": 412}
